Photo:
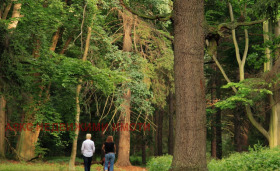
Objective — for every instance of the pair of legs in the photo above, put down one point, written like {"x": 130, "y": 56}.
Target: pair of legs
{"x": 109, "y": 157}
{"x": 87, "y": 163}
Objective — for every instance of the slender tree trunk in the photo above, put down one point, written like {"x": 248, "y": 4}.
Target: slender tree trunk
{"x": 274, "y": 124}
{"x": 219, "y": 147}
{"x": 160, "y": 124}
{"x": 190, "y": 136}
{"x": 143, "y": 146}
{"x": 66, "y": 45}
{"x": 171, "y": 125}
{"x": 213, "y": 123}
{"x": 2, "y": 126}
{"x": 216, "y": 143}
{"x": 156, "y": 132}
{"x": 124, "y": 140}
{"x": 237, "y": 131}
{"x": 78, "y": 110}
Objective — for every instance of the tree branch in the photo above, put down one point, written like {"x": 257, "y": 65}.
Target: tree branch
{"x": 233, "y": 24}
{"x": 161, "y": 17}
{"x": 16, "y": 14}
{"x": 234, "y": 37}
{"x": 246, "y": 47}
{"x": 6, "y": 11}
{"x": 255, "y": 123}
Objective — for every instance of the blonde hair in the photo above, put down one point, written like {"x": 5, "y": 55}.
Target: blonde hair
{"x": 88, "y": 136}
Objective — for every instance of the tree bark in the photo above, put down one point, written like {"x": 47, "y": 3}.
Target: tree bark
{"x": 27, "y": 143}
{"x": 2, "y": 125}
{"x": 124, "y": 140}
{"x": 190, "y": 136}
{"x": 171, "y": 124}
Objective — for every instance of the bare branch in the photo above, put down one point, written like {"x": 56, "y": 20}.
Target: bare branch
{"x": 255, "y": 123}
{"x": 7, "y": 9}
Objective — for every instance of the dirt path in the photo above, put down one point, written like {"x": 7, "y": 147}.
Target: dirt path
{"x": 129, "y": 168}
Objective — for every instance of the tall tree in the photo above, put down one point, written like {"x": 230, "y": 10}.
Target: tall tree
{"x": 124, "y": 140}
{"x": 190, "y": 136}
{"x": 78, "y": 109}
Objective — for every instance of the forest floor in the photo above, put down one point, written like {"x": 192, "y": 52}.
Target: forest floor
{"x": 46, "y": 166}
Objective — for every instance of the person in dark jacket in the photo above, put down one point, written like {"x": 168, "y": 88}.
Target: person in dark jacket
{"x": 109, "y": 149}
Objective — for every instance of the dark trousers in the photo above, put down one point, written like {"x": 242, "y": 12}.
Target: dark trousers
{"x": 87, "y": 163}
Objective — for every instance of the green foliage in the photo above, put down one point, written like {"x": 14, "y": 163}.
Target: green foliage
{"x": 162, "y": 163}
{"x": 135, "y": 160}
{"x": 258, "y": 58}
{"x": 249, "y": 91}
{"x": 258, "y": 159}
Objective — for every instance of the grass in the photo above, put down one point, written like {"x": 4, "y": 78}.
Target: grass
{"x": 49, "y": 164}
{"x": 36, "y": 167}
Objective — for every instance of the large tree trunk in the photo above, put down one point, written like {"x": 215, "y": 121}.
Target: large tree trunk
{"x": 78, "y": 109}
{"x": 124, "y": 140}
{"x": 27, "y": 143}
{"x": 2, "y": 126}
{"x": 171, "y": 125}
{"x": 190, "y": 136}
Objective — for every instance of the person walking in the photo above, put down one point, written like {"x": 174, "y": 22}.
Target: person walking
{"x": 88, "y": 149}
{"x": 109, "y": 149}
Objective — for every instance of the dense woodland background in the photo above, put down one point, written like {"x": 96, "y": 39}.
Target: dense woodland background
{"x": 112, "y": 61}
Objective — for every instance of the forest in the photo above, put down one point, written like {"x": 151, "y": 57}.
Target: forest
{"x": 181, "y": 85}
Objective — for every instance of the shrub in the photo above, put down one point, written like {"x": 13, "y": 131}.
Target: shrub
{"x": 135, "y": 160}
{"x": 162, "y": 163}
{"x": 256, "y": 159}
